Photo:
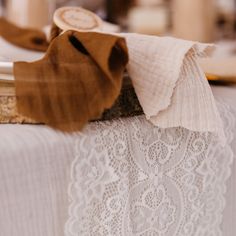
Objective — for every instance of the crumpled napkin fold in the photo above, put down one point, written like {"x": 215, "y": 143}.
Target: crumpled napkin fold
{"x": 79, "y": 77}
{"x": 170, "y": 85}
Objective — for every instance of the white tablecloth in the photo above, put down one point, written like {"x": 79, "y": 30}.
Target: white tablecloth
{"x": 146, "y": 181}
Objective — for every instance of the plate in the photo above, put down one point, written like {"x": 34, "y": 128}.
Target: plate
{"x": 220, "y": 69}
{"x": 6, "y": 68}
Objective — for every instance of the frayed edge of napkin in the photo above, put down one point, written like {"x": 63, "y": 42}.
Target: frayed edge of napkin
{"x": 196, "y": 50}
{"x": 170, "y": 85}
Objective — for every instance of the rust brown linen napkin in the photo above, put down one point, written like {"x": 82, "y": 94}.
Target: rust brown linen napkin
{"x": 32, "y": 39}
{"x": 79, "y": 77}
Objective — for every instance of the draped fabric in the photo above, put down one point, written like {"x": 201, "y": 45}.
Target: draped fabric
{"x": 169, "y": 83}
{"x": 79, "y": 77}
{"x": 164, "y": 181}
{"x": 140, "y": 180}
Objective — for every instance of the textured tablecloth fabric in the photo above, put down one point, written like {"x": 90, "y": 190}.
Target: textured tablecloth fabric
{"x": 35, "y": 172}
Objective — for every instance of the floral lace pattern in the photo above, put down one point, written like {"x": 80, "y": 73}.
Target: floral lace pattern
{"x": 132, "y": 179}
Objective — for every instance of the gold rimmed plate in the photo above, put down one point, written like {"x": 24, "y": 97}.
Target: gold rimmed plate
{"x": 220, "y": 70}
{"x": 219, "y": 79}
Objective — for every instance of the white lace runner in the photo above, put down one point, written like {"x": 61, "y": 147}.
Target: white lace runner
{"x": 132, "y": 179}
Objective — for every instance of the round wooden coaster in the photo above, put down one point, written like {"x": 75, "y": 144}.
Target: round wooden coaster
{"x": 76, "y": 18}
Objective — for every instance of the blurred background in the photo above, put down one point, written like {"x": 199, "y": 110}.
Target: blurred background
{"x": 200, "y": 20}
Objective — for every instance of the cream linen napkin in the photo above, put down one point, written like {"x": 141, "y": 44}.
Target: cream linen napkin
{"x": 171, "y": 87}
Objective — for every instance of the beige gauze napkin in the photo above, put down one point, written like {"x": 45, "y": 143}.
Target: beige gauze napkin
{"x": 170, "y": 85}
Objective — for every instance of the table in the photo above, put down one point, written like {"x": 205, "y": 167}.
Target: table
{"x": 129, "y": 187}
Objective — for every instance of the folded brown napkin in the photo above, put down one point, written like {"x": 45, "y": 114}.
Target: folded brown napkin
{"x": 32, "y": 39}
{"x": 79, "y": 77}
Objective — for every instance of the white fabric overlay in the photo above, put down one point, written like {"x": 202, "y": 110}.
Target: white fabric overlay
{"x": 171, "y": 87}
{"x": 35, "y": 164}
{"x": 130, "y": 178}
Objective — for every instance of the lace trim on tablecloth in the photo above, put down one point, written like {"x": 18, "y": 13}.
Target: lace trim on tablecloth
{"x": 130, "y": 178}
